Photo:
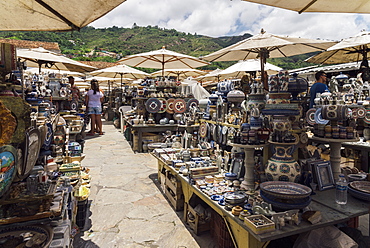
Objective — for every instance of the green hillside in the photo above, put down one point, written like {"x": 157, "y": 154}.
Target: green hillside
{"x": 126, "y": 41}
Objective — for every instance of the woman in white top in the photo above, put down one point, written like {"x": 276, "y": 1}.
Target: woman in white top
{"x": 94, "y": 99}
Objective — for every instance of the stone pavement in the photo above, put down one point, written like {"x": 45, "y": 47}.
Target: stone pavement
{"x": 127, "y": 209}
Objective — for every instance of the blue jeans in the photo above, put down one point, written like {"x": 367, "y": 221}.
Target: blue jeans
{"x": 94, "y": 111}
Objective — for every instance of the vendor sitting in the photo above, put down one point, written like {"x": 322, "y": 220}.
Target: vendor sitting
{"x": 319, "y": 87}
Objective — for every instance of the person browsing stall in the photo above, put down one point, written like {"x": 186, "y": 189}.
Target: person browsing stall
{"x": 94, "y": 99}
{"x": 319, "y": 87}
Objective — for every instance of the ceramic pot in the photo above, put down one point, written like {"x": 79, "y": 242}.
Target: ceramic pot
{"x": 335, "y": 112}
{"x": 236, "y": 96}
{"x": 256, "y": 101}
{"x": 281, "y": 123}
{"x": 203, "y": 104}
{"x": 282, "y": 166}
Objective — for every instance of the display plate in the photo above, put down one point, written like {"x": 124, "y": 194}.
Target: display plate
{"x": 163, "y": 107}
{"x": 153, "y": 105}
{"x": 318, "y": 117}
{"x": 8, "y": 155}
{"x": 170, "y": 106}
{"x": 361, "y": 111}
{"x": 179, "y": 106}
{"x": 203, "y": 129}
{"x": 49, "y": 136}
{"x": 43, "y": 239}
{"x": 33, "y": 143}
{"x": 192, "y": 103}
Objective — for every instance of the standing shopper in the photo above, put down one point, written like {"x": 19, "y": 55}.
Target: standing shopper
{"x": 94, "y": 98}
{"x": 319, "y": 87}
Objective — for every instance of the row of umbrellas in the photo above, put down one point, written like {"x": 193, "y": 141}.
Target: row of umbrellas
{"x": 252, "y": 52}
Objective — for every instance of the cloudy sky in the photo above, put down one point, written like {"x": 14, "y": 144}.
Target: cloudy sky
{"x": 225, "y": 17}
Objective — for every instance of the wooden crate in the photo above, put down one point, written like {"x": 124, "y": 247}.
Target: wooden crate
{"x": 173, "y": 183}
{"x": 195, "y": 224}
{"x": 176, "y": 201}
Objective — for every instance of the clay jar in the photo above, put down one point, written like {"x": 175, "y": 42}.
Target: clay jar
{"x": 256, "y": 101}
{"x": 281, "y": 123}
{"x": 282, "y": 166}
{"x": 335, "y": 112}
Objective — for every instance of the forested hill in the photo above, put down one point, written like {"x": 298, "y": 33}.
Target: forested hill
{"x": 126, "y": 41}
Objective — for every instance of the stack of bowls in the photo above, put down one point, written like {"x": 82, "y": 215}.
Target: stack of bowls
{"x": 285, "y": 195}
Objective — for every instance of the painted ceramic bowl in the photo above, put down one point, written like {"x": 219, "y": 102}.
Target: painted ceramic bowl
{"x": 359, "y": 194}
{"x": 285, "y": 190}
{"x": 286, "y": 204}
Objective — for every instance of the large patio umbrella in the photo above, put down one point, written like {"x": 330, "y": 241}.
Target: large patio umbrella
{"x": 33, "y": 70}
{"x": 251, "y": 65}
{"x": 351, "y": 49}
{"x": 265, "y": 45}
{"x": 163, "y": 59}
{"x": 213, "y": 75}
{"x": 183, "y": 73}
{"x": 122, "y": 71}
{"x": 51, "y": 15}
{"x": 335, "y": 6}
{"x": 40, "y": 57}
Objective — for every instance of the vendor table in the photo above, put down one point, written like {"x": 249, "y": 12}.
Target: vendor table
{"x": 140, "y": 129}
{"x": 364, "y": 148}
{"x": 335, "y": 146}
{"x": 242, "y": 236}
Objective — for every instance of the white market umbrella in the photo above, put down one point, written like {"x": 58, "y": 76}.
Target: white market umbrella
{"x": 251, "y": 65}
{"x": 120, "y": 71}
{"x": 352, "y": 49}
{"x": 265, "y": 45}
{"x": 33, "y": 70}
{"x": 105, "y": 81}
{"x": 213, "y": 75}
{"x": 183, "y": 73}
{"x": 335, "y": 6}
{"x": 40, "y": 57}
{"x": 51, "y": 15}
{"x": 163, "y": 59}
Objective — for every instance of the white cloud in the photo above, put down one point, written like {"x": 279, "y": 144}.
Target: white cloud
{"x": 224, "y": 17}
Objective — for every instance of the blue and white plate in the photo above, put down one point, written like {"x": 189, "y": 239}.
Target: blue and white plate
{"x": 319, "y": 119}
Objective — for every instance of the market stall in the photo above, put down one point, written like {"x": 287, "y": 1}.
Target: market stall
{"x": 43, "y": 182}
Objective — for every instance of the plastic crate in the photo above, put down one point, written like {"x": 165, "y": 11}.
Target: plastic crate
{"x": 82, "y": 208}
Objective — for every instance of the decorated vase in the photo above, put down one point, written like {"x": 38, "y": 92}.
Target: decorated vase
{"x": 282, "y": 166}
{"x": 256, "y": 101}
{"x": 335, "y": 112}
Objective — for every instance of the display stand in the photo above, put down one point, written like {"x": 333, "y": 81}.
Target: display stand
{"x": 248, "y": 182}
{"x": 335, "y": 146}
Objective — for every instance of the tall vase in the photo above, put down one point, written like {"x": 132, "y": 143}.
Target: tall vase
{"x": 282, "y": 166}
{"x": 256, "y": 101}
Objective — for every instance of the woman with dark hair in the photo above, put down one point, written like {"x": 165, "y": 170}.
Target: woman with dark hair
{"x": 93, "y": 100}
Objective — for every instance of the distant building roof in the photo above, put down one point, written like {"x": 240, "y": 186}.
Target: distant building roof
{"x": 26, "y": 44}
{"x": 99, "y": 64}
